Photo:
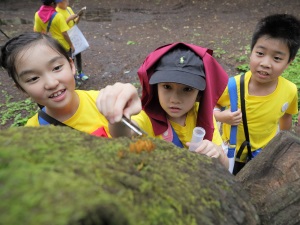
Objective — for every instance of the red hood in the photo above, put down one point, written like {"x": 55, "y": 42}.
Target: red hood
{"x": 216, "y": 82}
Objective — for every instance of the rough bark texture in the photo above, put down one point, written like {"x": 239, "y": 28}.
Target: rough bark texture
{"x": 55, "y": 175}
{"x": 273, "y": 180}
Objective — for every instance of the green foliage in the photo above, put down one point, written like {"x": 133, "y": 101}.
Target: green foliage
{"x": 243, "y": 67}
{"x": 243, "y": 58}
{"x": 131, "y": 43}
{"x": 18, "y": 112}
{"x": 218, "y": 52}
{"x": 292, "y": 73}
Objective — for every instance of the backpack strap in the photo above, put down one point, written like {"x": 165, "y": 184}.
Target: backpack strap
{"x": 171, "y": 136}
{"x": 69, "y": 11}
{"x": 176, "y": 141}
{"x": 50, "y": 21}
{"x": 232, "y": 90}
{"x": 45, "y": 119}
{"x": 233, "y": 105}
{"x": 244, "y": 116}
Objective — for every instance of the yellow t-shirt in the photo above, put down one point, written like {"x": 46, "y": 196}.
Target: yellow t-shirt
{"x": 87, "y": 118}
{"x": 184, "y": 132}
{"x": 58, "y": 26}
{"x": 263, "y": 112}
{"x": 66, "y": 13}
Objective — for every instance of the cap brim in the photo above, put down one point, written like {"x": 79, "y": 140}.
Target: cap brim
{"x": 174, "y": 76}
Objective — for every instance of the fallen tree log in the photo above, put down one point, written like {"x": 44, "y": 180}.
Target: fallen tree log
{"x": 56, "y": 175}
{"x": 273, "y": 180}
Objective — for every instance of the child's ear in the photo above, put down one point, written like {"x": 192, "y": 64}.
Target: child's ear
{"x": 289, "y": 63}
{"x": 72, "y": 66}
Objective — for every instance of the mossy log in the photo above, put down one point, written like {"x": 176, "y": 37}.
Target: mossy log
{"x": 273, "y": 180}
{"x": 59, "y": 176}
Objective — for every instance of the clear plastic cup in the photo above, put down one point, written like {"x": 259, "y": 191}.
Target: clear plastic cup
{"x": 198, "y": 135}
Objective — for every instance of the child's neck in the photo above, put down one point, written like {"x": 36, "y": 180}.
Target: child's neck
{"x": 261, "y": 89}
{"x": 66, "y": 112}
{"x": 179, "y": 120}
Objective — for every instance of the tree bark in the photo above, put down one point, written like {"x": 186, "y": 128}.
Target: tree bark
{"x": 273, "y": 180}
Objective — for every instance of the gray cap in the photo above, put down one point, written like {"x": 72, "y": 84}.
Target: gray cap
{"x": 180, "y": 65}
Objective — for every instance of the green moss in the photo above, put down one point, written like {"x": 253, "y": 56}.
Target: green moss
{"x": 55, "y": 175}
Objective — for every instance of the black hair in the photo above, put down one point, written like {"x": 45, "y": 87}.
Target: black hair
{"x": 280, "y": 26}
{"x": 48, "y": 2}
{"x": 12, "y": 48}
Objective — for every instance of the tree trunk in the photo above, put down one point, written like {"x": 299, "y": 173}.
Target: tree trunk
{"x": 273, "y": 180}
{"x": 56, "y": 175}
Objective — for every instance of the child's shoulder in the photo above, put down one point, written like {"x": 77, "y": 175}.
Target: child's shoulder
{"x": 285, "y": 84}
{"x": 87, "y": 93}
{"x": 33, "y": 121}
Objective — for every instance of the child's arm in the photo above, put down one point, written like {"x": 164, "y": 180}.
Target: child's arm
{"x": 226, "y": 116}
{"x": 117, "y": 100}
{"x": 72, "y": 17}
{"x": 67, "y": 38}
{"x": 285, "y": 122}
{"x": 214, "y": 151}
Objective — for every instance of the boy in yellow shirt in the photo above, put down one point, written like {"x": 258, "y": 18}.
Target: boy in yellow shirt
{"x": 270, "y": 99}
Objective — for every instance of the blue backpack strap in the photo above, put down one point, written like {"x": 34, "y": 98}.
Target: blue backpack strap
{"x": 43, "y": 122}
{"x": 50, "y": 21}
{"x": 232, "y": 90}
{"x": 176, "y": 141}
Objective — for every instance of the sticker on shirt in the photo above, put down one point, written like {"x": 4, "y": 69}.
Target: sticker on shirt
{"x": 284, "y": 107}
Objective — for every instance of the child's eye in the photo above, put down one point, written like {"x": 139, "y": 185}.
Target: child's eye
{"x": 31, "y": 79}
{"x": 57, "y": 68}
{"x": 166, "y": 86}
{"x": 188, "y": 89}
{"x": 277, "y": 58}
{"x": 259, "y": 53}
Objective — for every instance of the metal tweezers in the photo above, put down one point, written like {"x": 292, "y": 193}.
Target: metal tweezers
{"x": 132, "y": 126}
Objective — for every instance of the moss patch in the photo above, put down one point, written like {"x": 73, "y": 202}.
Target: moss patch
{"x": 55, "y": 175}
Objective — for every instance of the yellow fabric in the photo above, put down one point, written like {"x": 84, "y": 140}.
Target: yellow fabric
{"x": 87, "y": 117}
{"x": 263, "y": 112}
{"x": 184, "y": 133}
{"x": 58, "y": 26}
{"x": 65, "y": 13}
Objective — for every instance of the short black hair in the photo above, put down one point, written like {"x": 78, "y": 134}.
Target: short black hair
{"x": 280, "y": 26}
{"x": 48, "y": 2}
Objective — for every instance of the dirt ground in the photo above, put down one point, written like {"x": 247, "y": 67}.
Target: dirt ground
{"x": 122, "y": 33}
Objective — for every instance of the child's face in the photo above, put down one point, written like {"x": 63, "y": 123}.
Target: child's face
{"x": 46, "y": 76}
{"x": 269, "y": 58}
{"x": 176, "y": 100}
{"x": 63, "y": 4}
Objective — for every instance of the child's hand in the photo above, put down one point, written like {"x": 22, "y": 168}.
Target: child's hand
{"x": 208, "y": 148}
{"x": 231, "y": 118}
{"x": 72, "y": 17}
{"x": 212, "y": 150}
{"x": 117, "y": 100}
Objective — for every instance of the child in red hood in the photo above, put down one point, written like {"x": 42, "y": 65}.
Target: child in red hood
{"x": 181, "y": 85}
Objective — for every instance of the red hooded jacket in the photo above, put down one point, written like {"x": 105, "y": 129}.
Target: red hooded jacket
{"x": 216, "y": 82}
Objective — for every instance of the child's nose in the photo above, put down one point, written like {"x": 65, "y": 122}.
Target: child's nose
{"x": 50, "y": 82}
{"x": 175, "y": 97}
{"x": 266, "y": 62}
